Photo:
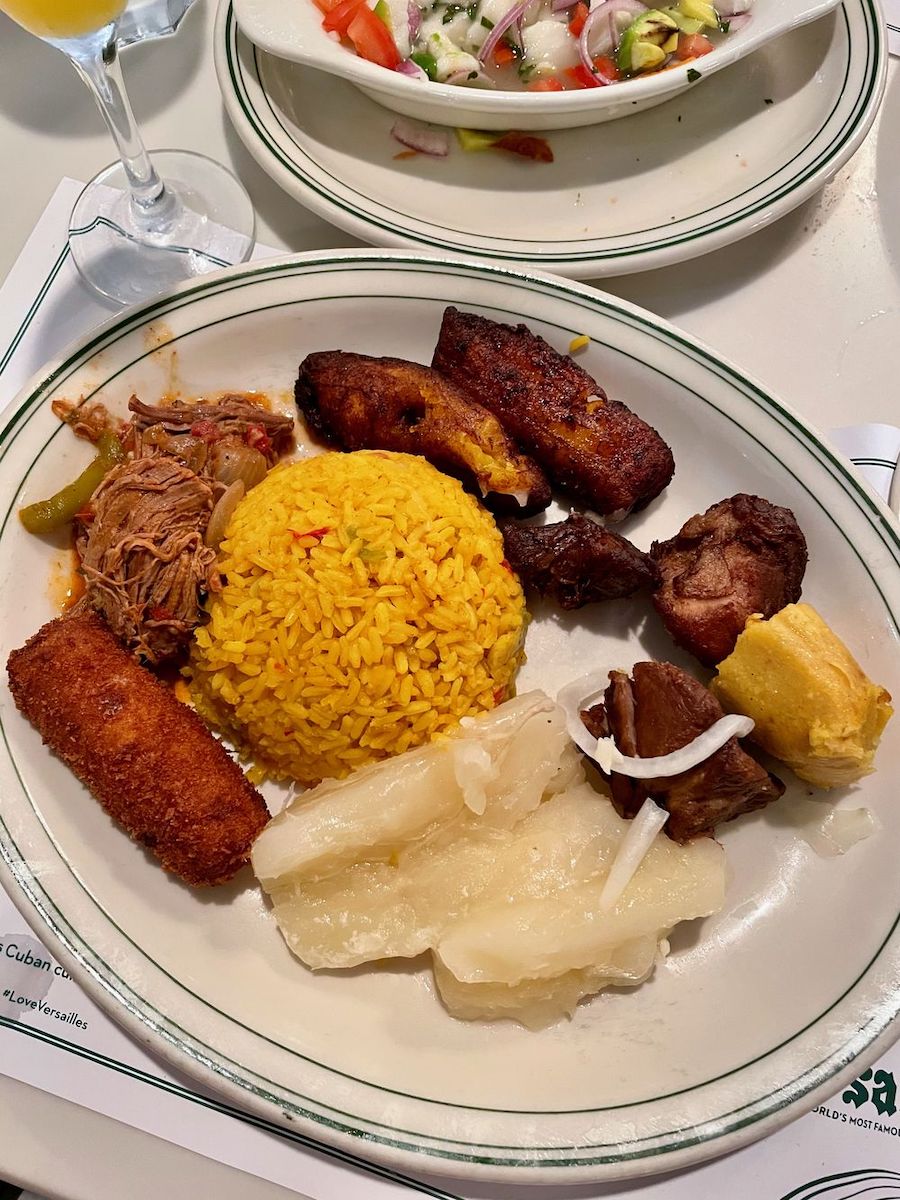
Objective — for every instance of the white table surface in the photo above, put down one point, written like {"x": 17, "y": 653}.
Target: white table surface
{"x": 810, "y": 305}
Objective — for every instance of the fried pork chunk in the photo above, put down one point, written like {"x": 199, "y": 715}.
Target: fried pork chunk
{"x": 362, "y": 403}
{"x": 593, "y": 448}
{"x": 660, "y": 710}
{"x": 742, "y": 556}
{"x": 576, "y": 561}
{"x": 148, "y": 759}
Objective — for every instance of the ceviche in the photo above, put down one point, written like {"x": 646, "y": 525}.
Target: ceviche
{"x": 538, "y": 45}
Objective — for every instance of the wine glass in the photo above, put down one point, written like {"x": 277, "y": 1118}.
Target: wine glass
{"x": 134, "y": 232}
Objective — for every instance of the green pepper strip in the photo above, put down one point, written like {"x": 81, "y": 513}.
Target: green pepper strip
{"x": 49, "y": 515}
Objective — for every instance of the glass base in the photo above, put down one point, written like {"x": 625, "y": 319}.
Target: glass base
{"x": 209, "y": 225}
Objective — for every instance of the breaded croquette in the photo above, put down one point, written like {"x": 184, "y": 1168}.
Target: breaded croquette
{"x": 148, "y": 759}
{"x": 363, "y": 403}
{"x": 593, "y": 448}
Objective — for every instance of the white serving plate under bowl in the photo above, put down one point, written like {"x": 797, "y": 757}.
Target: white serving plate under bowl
{"x": 758, "y": 1013}
{"x": 292, "y": 29}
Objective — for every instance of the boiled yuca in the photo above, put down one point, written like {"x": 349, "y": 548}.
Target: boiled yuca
{"x": 495, "y": 829}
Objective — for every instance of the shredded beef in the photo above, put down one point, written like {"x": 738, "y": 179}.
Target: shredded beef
{"x": 143, "y": 557}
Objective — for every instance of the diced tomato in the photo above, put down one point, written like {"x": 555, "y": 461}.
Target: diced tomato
{"x": 605, "y": 71}
{"x": 526, "y": 145}
{"x": 325, "y": 6}
{"x": 338, "y": 18}
{"x": 692, "y": 45}
{"x": 257, "y": 437}
{"x": 546, "y": 85}
{"x": 504, "y": 55}
{"x": 206, "y": 431}
{"x": 372, "y": 39}
{"x": 577, "y": 17}
{"x": 318, "y": 534}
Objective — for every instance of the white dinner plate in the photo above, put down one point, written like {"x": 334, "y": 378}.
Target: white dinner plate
{"x": 757, "y": 1014}
{"x": 698, "y": 172}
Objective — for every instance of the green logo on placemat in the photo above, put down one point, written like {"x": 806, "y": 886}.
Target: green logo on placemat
{"x": 878, "y": 1089}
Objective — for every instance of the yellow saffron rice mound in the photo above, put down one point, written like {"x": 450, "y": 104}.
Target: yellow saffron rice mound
{"x": 366, "y": 608}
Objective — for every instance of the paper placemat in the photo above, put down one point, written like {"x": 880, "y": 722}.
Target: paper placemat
{"x": 54, "y": 1038}
{"x": 892, "y": 19}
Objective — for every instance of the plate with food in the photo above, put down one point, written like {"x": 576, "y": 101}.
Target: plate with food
{"x": 466, "y": 736}
{"x": 718, "y": 163}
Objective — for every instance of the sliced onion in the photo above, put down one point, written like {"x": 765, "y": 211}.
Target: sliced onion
{"x": 559, "y": 6}
{"x": 733, "y": 8}
{"x": 510, "y": 18}
{"x": 609, "y": 9}
{"x": 413, "y": 21}
{"x": 738, "y": 21}
{"x": 576, "y": 696}
{"x": 413, "y": 70}
{"x": 222, "y": 512}
{"x": 633, "y": 849}
{"x": 233, "y": 461}
{"x": 435, "y": 142}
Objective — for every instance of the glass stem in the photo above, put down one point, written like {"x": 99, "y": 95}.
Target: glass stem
{"x": 153, "y": 206}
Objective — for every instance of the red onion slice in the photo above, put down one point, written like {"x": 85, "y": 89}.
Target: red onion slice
{"x": 609, "y": 9}
{"x": 559, "y": 6}
{"x": 413, "y": 21}
{"x": 413, "y": 70}
{"x": 738, "y": 21}
{"x": 493, "y": 38}
{"x": 435, "y": 142}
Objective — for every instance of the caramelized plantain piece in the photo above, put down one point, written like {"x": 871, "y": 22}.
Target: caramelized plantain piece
{"x": 593, "y": 448}
{"x": 362, "y": 403}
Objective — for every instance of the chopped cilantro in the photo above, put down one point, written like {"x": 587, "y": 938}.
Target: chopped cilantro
{"x": 487, "y": 23}
{"x": 724, "y": 26}
{"x": 768, "y": 100}
{"x": 472, "y": 10}
{"x": 693, "y": 76}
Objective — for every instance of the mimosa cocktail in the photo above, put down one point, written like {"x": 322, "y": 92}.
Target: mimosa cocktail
{"x": 131, "y": 234}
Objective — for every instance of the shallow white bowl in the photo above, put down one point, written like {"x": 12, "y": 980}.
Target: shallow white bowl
{"x": 292, "y": 29}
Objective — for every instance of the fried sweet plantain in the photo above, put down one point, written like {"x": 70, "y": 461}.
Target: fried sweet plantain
{"x": 595, "y": 449}
{"x": 363, "y": 403}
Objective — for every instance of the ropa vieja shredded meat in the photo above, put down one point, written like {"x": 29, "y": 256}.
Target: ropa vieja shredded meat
{"x": 143, "y": 557}
{"x": 141, "y": 540}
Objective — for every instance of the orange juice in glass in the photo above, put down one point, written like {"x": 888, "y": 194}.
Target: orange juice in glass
{"x": 134, "y": 232}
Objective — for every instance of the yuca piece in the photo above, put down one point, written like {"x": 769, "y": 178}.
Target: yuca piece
{"x": 593, "y": 448}
{"x": 363, "y": 403}
{"x": 148, "y": 759}
{"x": 814, "y": 706}
{"x": 490, "y": 849}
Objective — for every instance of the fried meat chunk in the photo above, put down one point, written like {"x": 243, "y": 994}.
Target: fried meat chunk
{"x": 592, "y": 448}
{"x": 742, "y": 556}
{"x": 576, "y": 561}
{"x": 660, "y": 710}
{"x": 362, "y": 403}
{"x": 148, "y": 759}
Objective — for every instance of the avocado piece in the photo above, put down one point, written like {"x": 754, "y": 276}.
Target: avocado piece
{"x": 685, "y": 24}
{"x": 640, "y": 47}
{"x": 477, "y": 139}
{"x": 700, "y": 10}
{"x": 426, "y": 61}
